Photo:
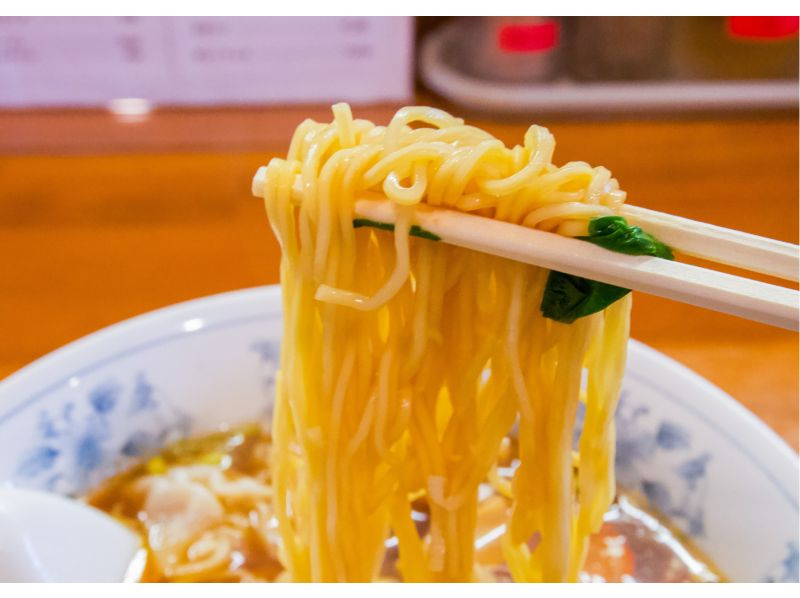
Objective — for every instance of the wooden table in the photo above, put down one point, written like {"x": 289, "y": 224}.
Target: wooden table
{"x": 101, "y": 220}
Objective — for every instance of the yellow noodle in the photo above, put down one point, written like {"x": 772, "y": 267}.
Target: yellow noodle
{"x": 405, "y": 362}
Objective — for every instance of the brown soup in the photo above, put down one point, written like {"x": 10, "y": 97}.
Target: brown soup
{"x": 203, "y": 509}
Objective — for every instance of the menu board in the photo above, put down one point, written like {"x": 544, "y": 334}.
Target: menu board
{"x": 90, "y": 61}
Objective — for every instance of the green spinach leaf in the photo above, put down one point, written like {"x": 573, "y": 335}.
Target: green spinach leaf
{"x": 614, "y": 233}
{"x": 414, "y": 231}
{"x": 567, "y": 298}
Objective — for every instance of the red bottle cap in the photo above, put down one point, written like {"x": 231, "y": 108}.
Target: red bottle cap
{"x": 535, "y": 37}
{"x": 763, "y": 28}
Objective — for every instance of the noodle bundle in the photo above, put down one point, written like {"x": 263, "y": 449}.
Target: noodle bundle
{"x": 406, "y": 362}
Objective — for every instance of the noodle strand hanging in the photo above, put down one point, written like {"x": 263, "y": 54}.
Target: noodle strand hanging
{"x": 406, "y": 362}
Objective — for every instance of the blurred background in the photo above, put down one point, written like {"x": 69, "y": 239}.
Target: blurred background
{"x": 127, "y": 145}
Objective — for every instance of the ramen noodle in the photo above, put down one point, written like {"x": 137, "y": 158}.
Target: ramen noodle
{"x": 406, "y": 362}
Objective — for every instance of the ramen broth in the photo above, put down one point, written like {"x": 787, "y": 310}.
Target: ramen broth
{"x": 203, "y": 509}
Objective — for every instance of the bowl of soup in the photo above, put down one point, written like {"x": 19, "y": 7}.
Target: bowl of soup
{"x": 130, "y": 417}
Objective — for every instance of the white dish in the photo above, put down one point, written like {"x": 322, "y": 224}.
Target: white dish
{"x": 74, "y": 417}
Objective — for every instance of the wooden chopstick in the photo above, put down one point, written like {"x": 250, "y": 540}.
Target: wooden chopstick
{"x": 718, "y": 244}
{"x": 692, "y": 238}
{"x": 718, "y": 291}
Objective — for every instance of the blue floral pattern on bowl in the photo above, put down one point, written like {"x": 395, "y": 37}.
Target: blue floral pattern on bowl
{"x": 641, "y": 441}
{"x": 785, "y": 571}
{"x": 81, "y": 442}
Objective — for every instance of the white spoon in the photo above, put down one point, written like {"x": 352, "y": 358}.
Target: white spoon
{"x": 46, "y": 537}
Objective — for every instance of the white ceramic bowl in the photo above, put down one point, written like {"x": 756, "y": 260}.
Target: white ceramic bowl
{"x": 77, "y": 415}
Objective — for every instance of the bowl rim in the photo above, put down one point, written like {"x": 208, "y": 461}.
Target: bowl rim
{"x": 21, "y": 385}
{"x": 20, "y": 388}
{"x": 782, "y": 456}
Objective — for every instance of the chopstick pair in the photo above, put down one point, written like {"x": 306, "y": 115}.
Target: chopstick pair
{"x": 718, "y": 291}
